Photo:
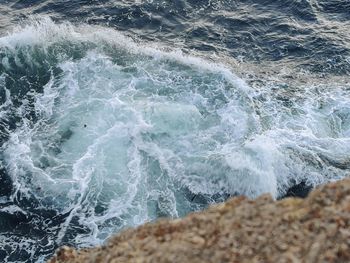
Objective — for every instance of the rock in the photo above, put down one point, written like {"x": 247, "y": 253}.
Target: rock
{"x": 65, "y": 254}
{"x": 315, "y": 229}
{"x": 300, "y": 190}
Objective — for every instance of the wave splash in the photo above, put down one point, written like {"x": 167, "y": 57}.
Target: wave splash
{"x": 105, "y": 133}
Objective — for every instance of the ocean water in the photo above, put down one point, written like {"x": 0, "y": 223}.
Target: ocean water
{"x": 116, "y": 113}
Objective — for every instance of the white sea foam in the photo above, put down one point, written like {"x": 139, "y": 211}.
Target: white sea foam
{"x": 125, "y": 131}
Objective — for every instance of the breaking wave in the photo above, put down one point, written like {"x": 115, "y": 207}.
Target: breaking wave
{"x": 100, "y": 132}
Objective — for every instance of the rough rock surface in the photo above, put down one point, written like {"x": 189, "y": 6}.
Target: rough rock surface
{"x": 315, "y": 229}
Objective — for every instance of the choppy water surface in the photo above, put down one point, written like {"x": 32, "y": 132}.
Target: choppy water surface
{"x": 118, "y": 113}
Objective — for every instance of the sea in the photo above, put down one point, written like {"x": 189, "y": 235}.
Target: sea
{"x": 117, "y": 113}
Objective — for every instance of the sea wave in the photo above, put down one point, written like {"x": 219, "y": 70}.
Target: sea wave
{"x": 100, "y": 132}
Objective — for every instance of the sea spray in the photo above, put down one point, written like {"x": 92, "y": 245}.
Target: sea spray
{"x": 100, "y": 133}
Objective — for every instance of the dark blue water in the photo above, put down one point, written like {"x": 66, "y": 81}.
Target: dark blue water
{"x": 313, "y": 34}
{"x": 114, "y": 113}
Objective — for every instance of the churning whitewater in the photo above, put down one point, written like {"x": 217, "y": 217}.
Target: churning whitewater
{"x": 100, "y": 132}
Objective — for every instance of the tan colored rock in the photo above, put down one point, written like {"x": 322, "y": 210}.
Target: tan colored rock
{"x": 315, "y": 229}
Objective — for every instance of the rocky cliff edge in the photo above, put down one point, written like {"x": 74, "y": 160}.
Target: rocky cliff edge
{"x": 315, "y": 229}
